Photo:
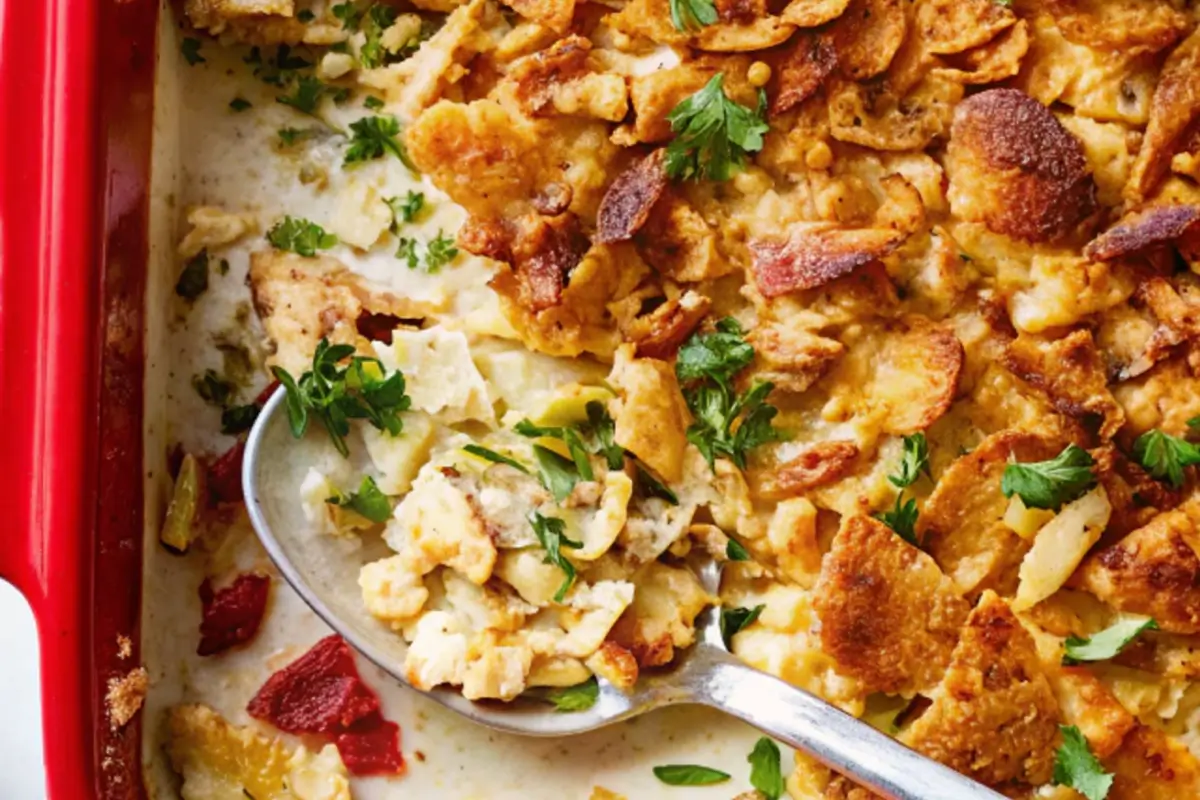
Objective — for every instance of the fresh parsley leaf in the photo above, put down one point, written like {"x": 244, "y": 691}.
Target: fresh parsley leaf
{"x": 914, "y": 461}
{"x": 735, "y": 552}
{"x": 306, "y": 95}
{"x": 1194, "y": 423}
{"x": 306, "y": 16}
{"x": 1076, "y": 767}
{"x": 688, "y": 15}
{"x": 494, "y": 457}
{"x": 603, "y": 430}
{"x": 1165, "y": 456}
{"x": 1106, "y": 643}
{"x": 289, "y": 136}
{"x": 1050, "y": 484}
{"x": 569, "y": 437}
{"x": 902, "y": 518}
{"x": 689, "y": 775}
{"x": 349, "y": 14}
{"x": 373, "y": 137}
{"x": 239, "y": 104}
{"x": 766, "y": 774}
{"x": 737, "y": 619}
{"x": 300, "y": 236}
{"x": 334, "y": 395}
{"x": 372, "y": 102}
{"x": 651, "y": 486}
{"x": 378, "y": 18}
{"x": 239, "y": 419}
{"x": 406, "y": 250}
{"x": 191, "y": 51}
{"x": 213, "y": 389}
{"x": 193, "y": 281}
{"x": 579, "y": 697}
{"x": 726, "y": 425}
{"x": 713, "y": 134}
{"x": 551, "y": 533}
{"x": 557, "y": 474}
{"x": 369, "y": 501}
{"x": 439, "y": 252}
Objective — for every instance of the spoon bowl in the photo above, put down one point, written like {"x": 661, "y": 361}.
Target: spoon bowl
{"x": 323, "y": 570}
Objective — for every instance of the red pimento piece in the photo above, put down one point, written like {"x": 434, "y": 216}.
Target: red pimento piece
{"x": 266, "y": 393}
{"x": 225, "y": 476}
{"x": 321, "y": 692}
{"x": 232, "y": 615}
{"x": 372, "y": 747}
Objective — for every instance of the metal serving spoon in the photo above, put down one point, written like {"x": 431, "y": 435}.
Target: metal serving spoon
{"x": 323, "y": 570}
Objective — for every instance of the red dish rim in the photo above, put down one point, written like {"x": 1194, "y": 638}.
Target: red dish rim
{"x": 78, "y": 75}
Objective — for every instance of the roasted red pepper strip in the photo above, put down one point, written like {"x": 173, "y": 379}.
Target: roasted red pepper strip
{"x": 225, "y": 476}
{"x": 322, "y": 692}
{"x": 232, "y": 615}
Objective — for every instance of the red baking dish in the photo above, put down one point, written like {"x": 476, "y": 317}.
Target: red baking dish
{"x": 76, "y": 93}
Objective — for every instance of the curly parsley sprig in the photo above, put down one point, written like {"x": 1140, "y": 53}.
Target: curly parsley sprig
{"x": 713, "y": 134}
{"x": 334, "y": 395}
{"x": 726, "y": 424}
{"x": 1051, "y": 484}
{"x": 1165, "y": 456}
{"x": 689, "y": 15}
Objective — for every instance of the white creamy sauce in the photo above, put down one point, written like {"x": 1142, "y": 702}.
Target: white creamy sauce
{"x": 206, "y": 154}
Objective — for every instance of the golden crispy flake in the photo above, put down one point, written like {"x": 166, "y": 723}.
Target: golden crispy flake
{"x": 1141, "y": 229}
{"x": 1071, "y": 373}
{"x": 1129, "y": 26}
{"x": 994, "y": 716}
{"x": 888, "y": 615}
{"x": 800, "y": 70}
{"x": 561, "y": 80}
{"x": 627, "y": 203}
{"x": 651, "y": 19}
{"x": 1152, "y": 766}
{"x": 817, "y": 465}
{"x": 952, "y": 26}
{"x": 1153, "y": 571}
{"x": 651, "y": 418}
{"x": 811, "y": 13}
{"x": 1086, "y": 704}
{"x": 660, "y": 333}
{"x": 962, "y": 522}
{"x": 1175, "y": 106}
{"x": 1166, "y": 397}
{"x": 900, "y": 111}
{"x": 678, "y": 242}
{"x": 1014, "y": 167}
{"x": 662, "y": 617}
{"x": 867, "y": 35}
{"x": 815, "y": 254}
{"x": 991, "y": 62}
{"x": 654, "y": 95}
{"x": 791, "y": 357}
{"x": 554, "y": 14}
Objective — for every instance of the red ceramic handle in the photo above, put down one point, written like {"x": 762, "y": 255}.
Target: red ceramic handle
{"x": 47, "y": 340}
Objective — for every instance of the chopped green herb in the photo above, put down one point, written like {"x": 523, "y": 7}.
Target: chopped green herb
{"x": 557, "y": 474}
{"x": 239, "y": 104}
{"x": 348, "y": 14}
{"x": 651, "y": 486}
{"x": 306, "y": 16}
{"x": 689, "y": 775}
{"x": 439, "y": 252}
{"x": 689, "y": 15}
{"x": 713, "y": 134}
{"x": 569, "y": 436}
{"x": 339, "y": 94}
{"x": 1107, "y": 643}
{"x": 579, "y": 697}
{"x": 213, "y": 389}
{"x": 239, "y": 419}
{"x": 494, "y": 457}
{"x": 1076, "y": 767}
{"x": 336, "y": 395}
{"x": 1165, "y": 456}
{"x": 406, "y": 251}
{"x": 405, "y": 209}
{"x": 305, "y": 96}
{"x": 1050, "y": 484}
{"x": 902, "y": 518}
{"x": 735, "y": 552}
{"x": 289, "y": 136}
{"x": 1194, "y": 422}
{"x": 369, "y": 501}
{"x": 193, "y": 281}
{"x": 300, "y": 236}
{"x": 766, "y": 773}
{"x": 372, "y": 102}
{"x": 378, "y": 18}
{"x": 734, "y": 620}
{"x": 602, "y": 430}
{"x": 726, "y": 425}
{"x": 373, "y": 137}
{"x": 191, "y": 51}
{"x": 914, "y": 461}
{"x": 551, "y": 533}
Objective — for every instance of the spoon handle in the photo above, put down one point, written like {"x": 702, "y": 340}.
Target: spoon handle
{"x": 840, "y": 741}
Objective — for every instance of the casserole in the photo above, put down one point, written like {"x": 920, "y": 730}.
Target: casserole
{"x": 1052, "y": 223}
